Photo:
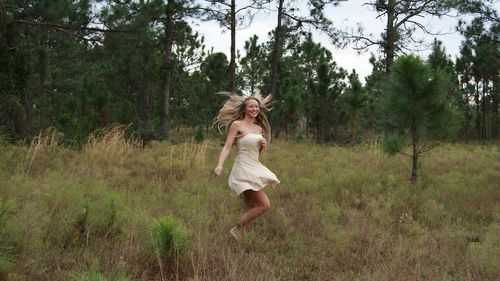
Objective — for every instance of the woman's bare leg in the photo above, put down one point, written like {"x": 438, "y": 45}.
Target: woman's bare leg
{"x": 260, "y": 205}
{"x": 256, "y": 203}
{"x": 249, "y": 204}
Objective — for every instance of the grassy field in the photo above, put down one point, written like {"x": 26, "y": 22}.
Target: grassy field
{"x": 116, "y": 210}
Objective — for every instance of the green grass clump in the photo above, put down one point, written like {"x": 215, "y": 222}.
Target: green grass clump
{"x": 93, "y": 273}
{"x": 169, "y": 238}
{"x": 199, "y": 135}
{"x": 105, "y": 216}
{"x": 6, "y": 265}
{"x": 485, "y": 254}
{"x": 4, "y": 137}
{"x": 10, "y": 237}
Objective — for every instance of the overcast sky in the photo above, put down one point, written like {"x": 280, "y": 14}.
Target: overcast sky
{"x": 346, "y": 15}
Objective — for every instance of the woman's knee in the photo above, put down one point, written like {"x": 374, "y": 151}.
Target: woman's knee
{"x": 265, "y": 204}
{"x": 266, "y": 207}
{"x": 261, "y": 199}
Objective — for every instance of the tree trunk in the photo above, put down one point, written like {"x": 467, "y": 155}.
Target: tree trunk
{"x": 484, "y": 128}
{"x": 165, "y": 101}
{"x": 390, "y": 36}
{"x": 494, "y": 107}
{"x": 276, "y": 56}
{"x": 466, "y": 123}
{"x": 28, "y": 99}
{"x": 477, "y": 122}
{"x": 232, "y": 63}
{"x": 145, "y": 101}
{"x": 353, "y": 129}
{"x": 414, "y": 157}
{"x": 466, "y": 112}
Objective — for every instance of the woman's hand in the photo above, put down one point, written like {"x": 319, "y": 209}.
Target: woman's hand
{"x": 263, "y": 143}
{"x": 218, "y": 170}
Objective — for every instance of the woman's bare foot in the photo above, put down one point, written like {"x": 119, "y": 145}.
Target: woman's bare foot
{"x": 236, "y": 233}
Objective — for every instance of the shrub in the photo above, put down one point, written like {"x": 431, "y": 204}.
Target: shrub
{"x": 105, "y": 216}
{"x": 199, "y": 135}
{"x": 94, "y": 274}
{"x": 9, "y": 236}
{"x": 4, "y": 137}
{"x": 5, "y": 265}
{"x": 169, "y": 238}
{"x": 486, "y": 254}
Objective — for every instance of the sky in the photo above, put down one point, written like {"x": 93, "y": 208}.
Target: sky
{"x": 344, "y": 16}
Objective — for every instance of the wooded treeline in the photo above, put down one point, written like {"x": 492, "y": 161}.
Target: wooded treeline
{"x": 80, "y": 65}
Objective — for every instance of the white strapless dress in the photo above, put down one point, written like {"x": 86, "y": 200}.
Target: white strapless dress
{"x": 248, "y": 172}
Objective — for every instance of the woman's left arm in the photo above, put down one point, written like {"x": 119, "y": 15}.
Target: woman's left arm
{"x": 263, "y": 146}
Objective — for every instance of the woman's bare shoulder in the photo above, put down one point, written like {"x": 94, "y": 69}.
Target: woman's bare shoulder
{"x": 236, "y": 124}
{"x": 235, "y": 127}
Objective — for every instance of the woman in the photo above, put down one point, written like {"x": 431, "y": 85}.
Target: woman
{"x": 248, "y": 127}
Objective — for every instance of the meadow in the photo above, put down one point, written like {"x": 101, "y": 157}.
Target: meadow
{"x": 119, "y": 210}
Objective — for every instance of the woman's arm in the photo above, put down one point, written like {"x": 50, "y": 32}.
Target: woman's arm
{"x": 263, "y": 146}
{"x": 231, "y": 136}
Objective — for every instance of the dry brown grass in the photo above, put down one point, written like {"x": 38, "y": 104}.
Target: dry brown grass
{"x": 45, "y": 143}
{"x": 110, "y": 144}
{"x": 190, "y": 153}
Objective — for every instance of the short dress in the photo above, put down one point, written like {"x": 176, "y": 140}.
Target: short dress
{"x": 248, "y": 172}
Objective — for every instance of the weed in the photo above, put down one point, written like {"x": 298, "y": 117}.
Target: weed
{"x": 93, "y": 273}
{"x": 169, "y": 238}
{"x": 109, "y": 144}
{"x": 41, "y": 148}
{"x": 6, "y": 264}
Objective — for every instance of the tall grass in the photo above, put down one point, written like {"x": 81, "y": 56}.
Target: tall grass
{"x": 121, "y": 210}
{"x": 4, "y": 137}
{"x": 46, "y": 143}
{"x": 5, "y": 265}
{"x": 110, "y": 144}
{"x": 93, "y": 273}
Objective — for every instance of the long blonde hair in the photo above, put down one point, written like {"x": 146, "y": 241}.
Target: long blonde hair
{"x": 234, "y": 109}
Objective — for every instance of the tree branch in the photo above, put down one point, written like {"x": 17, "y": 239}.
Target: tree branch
{"x": 302, "y": 20}
{"x": 29, "y": 9}
{"x": 254, "y": 5}
{"x": 66, "y": 27}
{"x": 405, "y": 154}
{"x": 412, "y": 14}
{"x": 218, "y": 2}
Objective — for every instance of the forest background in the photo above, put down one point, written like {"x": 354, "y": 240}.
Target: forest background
{"x": 80, "y": 65}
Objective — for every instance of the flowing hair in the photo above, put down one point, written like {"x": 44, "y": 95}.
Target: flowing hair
{"x": 234, "y": 109}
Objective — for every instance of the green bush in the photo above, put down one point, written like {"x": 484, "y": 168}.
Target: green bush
{"x": 67, "y": 215}
{"x": 10, "y": 234}
{"x": 5, "y": 265}
{"x": 94, "y": 274}
{"x": 105, "y": 216}
{"x": 170, "y": 239}
{"x": 199, "y": 135}
{"x": 393, "y": 144}
{"x": 11, "y": 230}
{"x": 486, "y": 254}
{"x": 4, "y": 137}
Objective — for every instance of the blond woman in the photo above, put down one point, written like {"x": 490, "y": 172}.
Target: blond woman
{"x": 248, "y": 128}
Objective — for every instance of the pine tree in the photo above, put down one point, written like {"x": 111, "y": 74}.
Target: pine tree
{"x": 355, "y": 100}
{"x": 417, "y": 109}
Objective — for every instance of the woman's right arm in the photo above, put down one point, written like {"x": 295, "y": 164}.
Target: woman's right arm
{"x": 231, "y": 137}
